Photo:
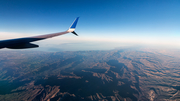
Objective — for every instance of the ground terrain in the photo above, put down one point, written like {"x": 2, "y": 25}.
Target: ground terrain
{"x": 114, "y": 75}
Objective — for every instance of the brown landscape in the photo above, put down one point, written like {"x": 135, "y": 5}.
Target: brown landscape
{"x": 114, "y": 75}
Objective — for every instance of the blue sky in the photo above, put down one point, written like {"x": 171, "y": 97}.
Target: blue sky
{"x": 103, "y": 24}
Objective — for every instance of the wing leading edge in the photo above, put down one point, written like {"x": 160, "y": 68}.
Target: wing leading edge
{"x": 22, "y": 43}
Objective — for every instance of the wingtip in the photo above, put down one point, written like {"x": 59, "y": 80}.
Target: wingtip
{"x": 74, "y": 33}
{"x": 74, "y": 23}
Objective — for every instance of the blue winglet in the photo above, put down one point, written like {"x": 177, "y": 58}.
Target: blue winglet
{"x": 74, "y": 23}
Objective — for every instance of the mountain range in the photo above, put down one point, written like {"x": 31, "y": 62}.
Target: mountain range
{"x": 113, "y": 75}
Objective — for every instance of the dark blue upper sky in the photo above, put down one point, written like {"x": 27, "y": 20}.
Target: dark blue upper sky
{"x": 101, "y": 19}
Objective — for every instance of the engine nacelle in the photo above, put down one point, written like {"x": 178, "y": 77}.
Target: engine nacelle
{"x": 23, "y": 46}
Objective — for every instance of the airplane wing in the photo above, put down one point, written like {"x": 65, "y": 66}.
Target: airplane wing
{"x": 22, "y": 43}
